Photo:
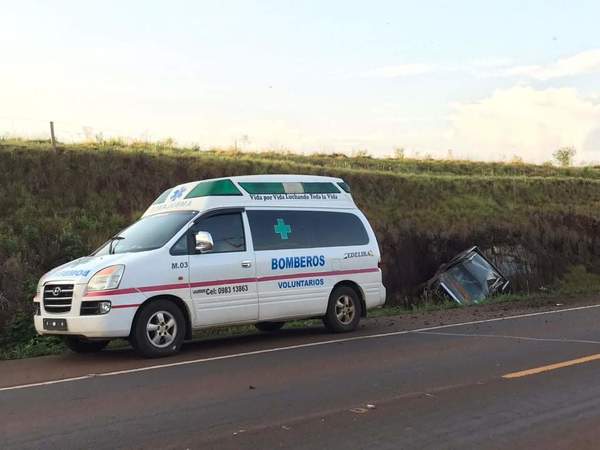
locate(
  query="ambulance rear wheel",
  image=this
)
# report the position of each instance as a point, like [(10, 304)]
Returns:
[(343, 310), (159, 329), (269, 327)]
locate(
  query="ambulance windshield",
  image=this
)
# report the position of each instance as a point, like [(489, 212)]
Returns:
[(148, 233)]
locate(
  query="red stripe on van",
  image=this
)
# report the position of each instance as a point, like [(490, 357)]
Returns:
[(317, 274), (216, 282), (166, 287)]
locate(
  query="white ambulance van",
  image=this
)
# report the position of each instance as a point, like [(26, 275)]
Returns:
[(257, 250)]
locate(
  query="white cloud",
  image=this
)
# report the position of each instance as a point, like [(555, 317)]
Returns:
[(579, 64), (491, 63), (401, 70), (528, 122), (582, 63)]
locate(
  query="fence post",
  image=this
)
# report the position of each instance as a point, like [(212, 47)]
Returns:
[(52, 137)]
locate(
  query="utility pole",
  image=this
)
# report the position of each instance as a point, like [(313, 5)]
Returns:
[(52, 137)]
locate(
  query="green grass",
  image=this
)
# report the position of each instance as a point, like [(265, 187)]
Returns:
[(541, 220), (578, 281), (19, 340)]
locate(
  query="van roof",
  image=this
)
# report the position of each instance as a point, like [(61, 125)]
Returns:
[(287, 191)]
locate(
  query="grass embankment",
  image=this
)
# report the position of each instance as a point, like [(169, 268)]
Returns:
[(433, 166), (535, 221)]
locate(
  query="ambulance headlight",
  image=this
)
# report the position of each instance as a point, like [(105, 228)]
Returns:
[(106, 279)]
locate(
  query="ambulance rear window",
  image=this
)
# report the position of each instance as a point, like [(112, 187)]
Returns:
[(290, 188), (345, 186), (214, 188)]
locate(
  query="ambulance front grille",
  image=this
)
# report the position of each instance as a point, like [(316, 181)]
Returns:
[(58, 298)]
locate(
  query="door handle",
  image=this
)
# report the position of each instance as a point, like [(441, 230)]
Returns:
[(246, 263)]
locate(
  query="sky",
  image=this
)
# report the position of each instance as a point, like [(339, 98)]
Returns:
[(462, 79)]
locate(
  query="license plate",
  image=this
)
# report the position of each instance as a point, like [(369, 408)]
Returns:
[(55, 324)]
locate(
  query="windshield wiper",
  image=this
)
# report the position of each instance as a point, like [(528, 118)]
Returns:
[(111, 241)]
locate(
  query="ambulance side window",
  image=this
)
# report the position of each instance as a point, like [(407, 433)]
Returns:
[(181, 246), (284, 229), (227, 231)]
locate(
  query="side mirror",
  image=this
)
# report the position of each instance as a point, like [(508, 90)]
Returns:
[(204, 242)]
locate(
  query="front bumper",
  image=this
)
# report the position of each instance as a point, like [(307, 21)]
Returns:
[(116, 323)]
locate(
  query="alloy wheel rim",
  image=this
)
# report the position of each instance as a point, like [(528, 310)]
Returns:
[(344, 309), (161, 329)]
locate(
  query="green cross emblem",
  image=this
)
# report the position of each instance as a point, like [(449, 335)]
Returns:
[(282, 229)]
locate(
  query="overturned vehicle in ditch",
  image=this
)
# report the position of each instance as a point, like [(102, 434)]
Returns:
[(468, 278)]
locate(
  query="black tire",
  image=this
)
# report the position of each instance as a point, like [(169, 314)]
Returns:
[(269, 327), (162, 339), (81, 345), (343, 311)]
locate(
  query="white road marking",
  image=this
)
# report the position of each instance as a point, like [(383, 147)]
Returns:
[(46, 383), (518, 338), (292, 347)]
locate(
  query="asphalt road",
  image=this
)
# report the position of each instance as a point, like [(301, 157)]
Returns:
[(450, 386)]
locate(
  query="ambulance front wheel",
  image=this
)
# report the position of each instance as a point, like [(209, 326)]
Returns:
[(159, 329)]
